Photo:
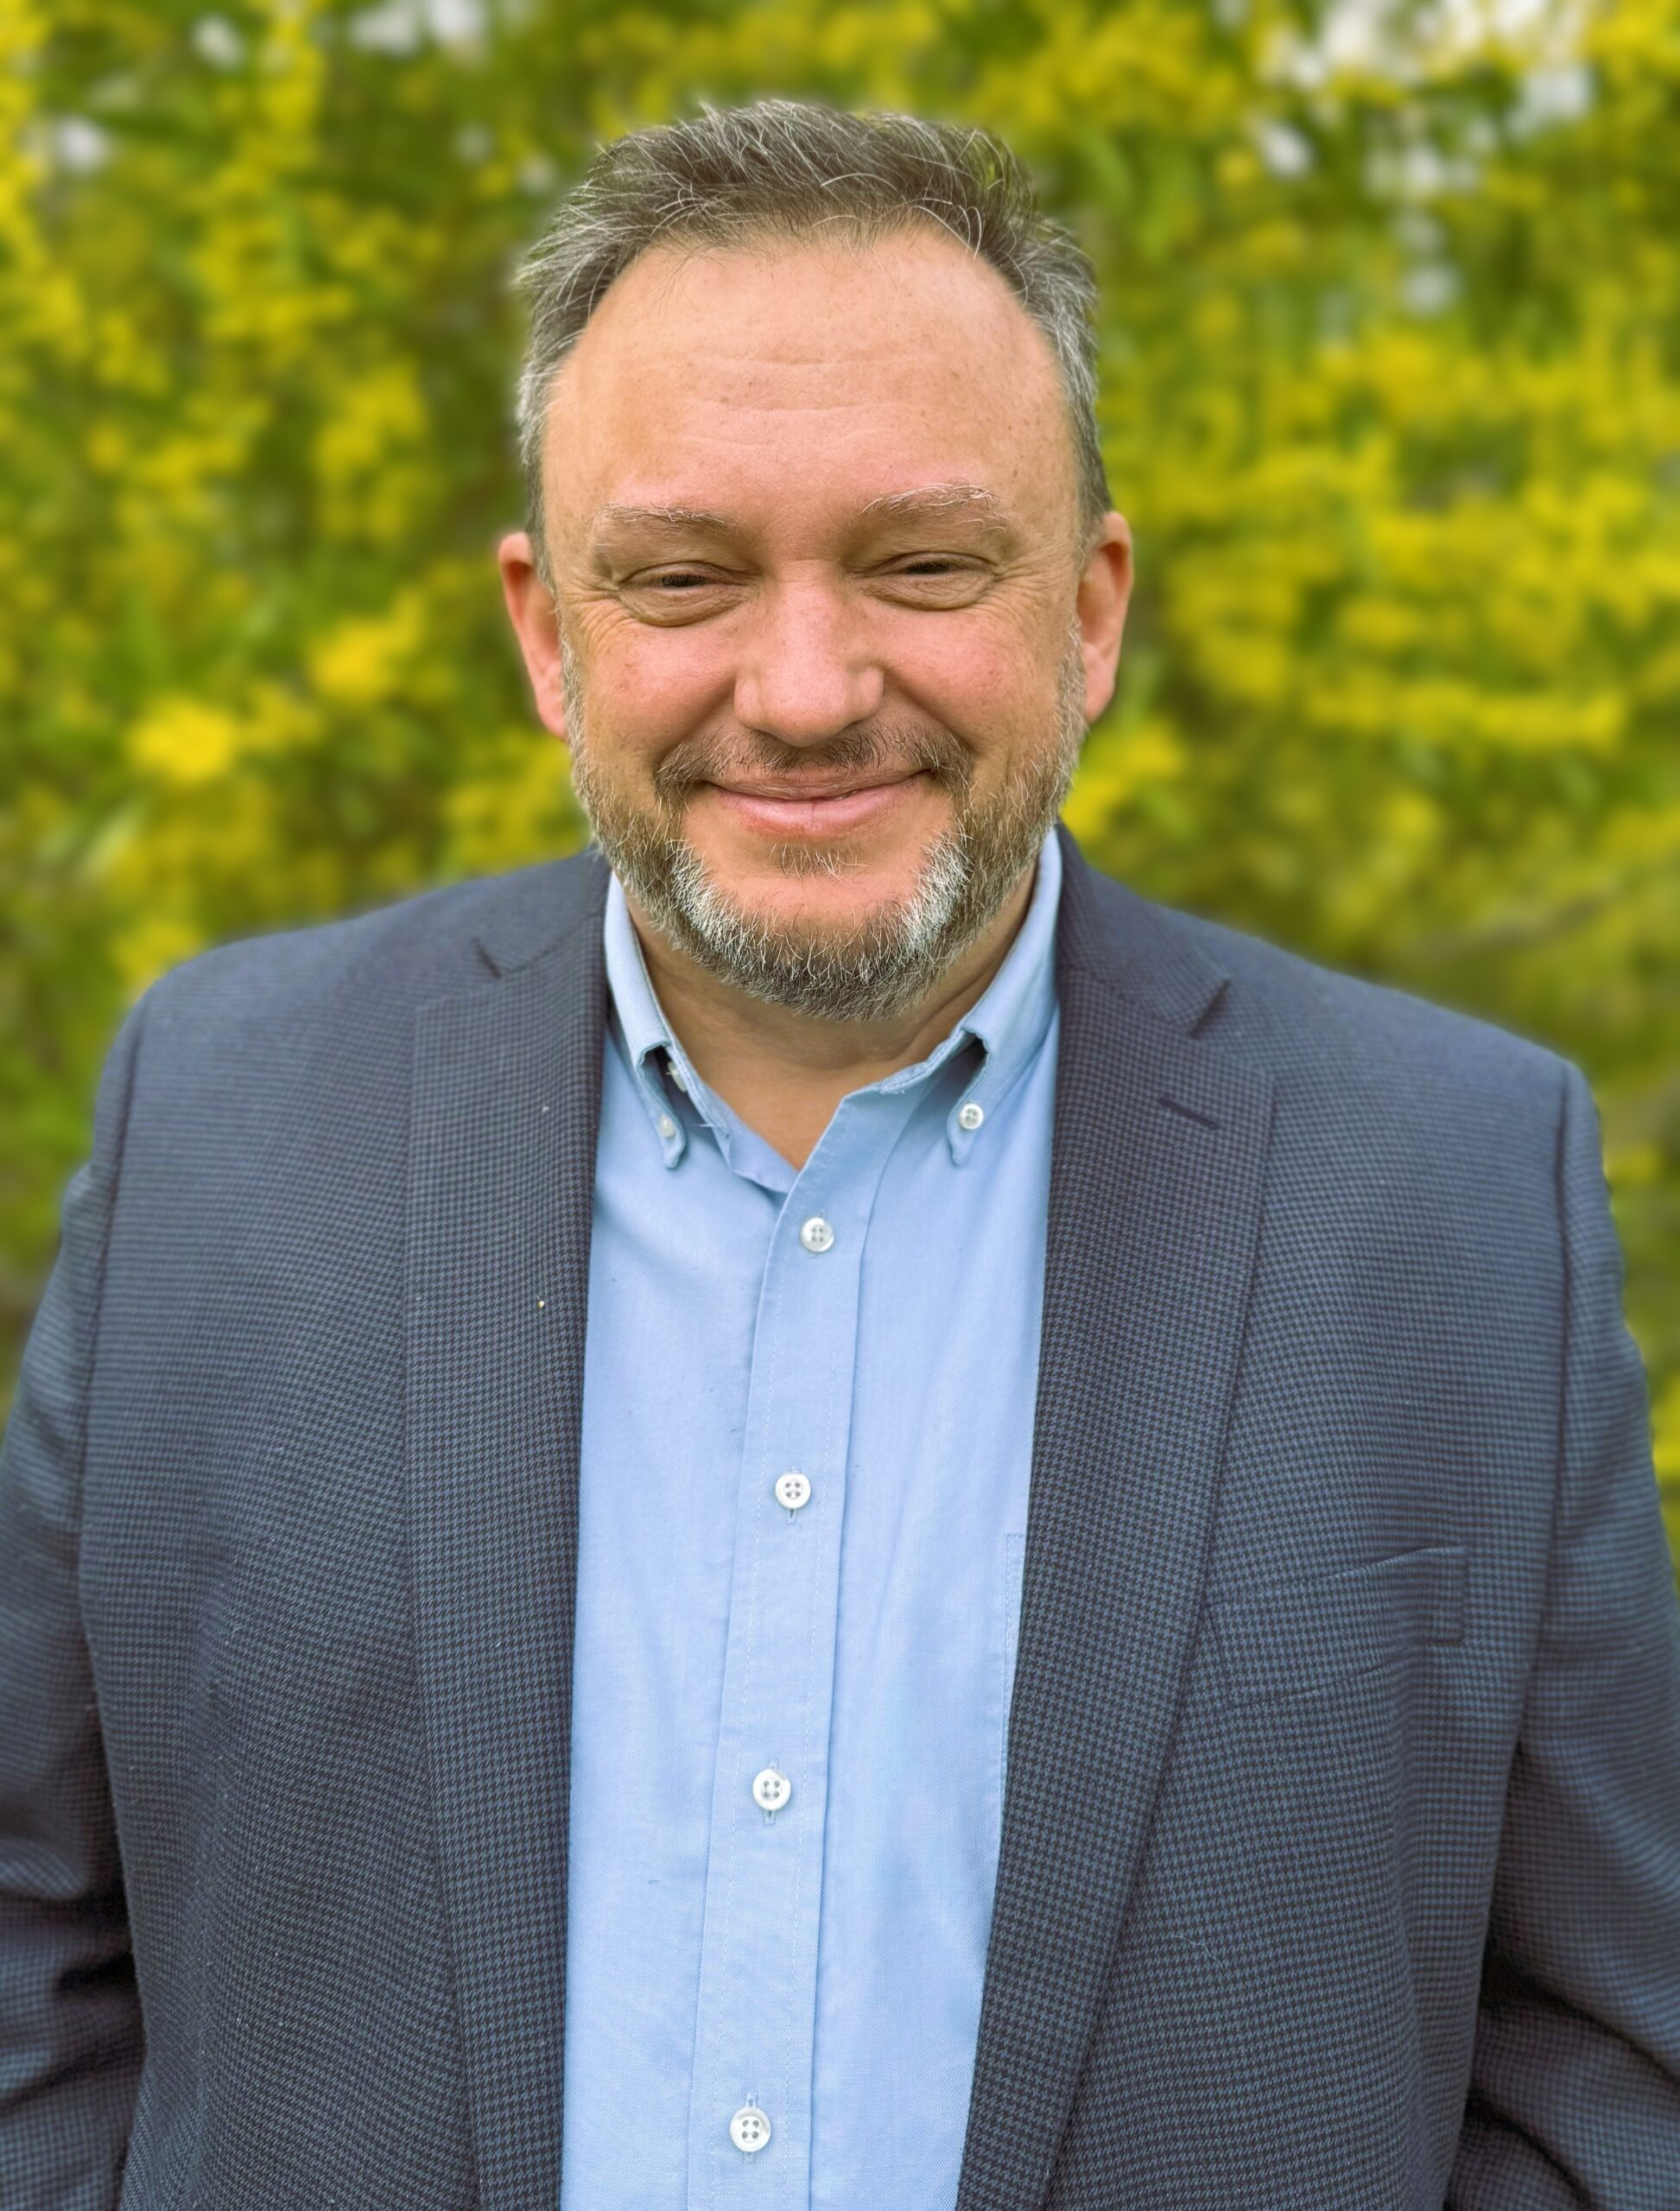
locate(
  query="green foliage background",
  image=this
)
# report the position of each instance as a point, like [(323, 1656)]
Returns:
[(1392, 375)]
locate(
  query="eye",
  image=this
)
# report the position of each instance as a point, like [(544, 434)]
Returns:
[(934, 578), (672, 580), (685, 591)]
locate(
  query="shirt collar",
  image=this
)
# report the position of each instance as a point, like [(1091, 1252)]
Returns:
[(1008, 1022), (641, 1026)]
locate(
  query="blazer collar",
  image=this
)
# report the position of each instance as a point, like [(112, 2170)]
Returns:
[(1131, 946), (535, 909), (506, 1094), (1158, 1174)]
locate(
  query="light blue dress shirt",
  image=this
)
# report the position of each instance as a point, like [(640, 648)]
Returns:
[(790, 1710)]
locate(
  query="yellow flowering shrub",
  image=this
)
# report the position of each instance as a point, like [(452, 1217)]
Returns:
[(1391, 351)]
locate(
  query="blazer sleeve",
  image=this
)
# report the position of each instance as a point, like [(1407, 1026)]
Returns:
[(70, 2027), (1575, 2089)]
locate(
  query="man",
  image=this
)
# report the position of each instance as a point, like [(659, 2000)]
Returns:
[(902, 1530)]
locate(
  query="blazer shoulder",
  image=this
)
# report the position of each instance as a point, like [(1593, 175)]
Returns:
[(1303, 1017), (391, 959)]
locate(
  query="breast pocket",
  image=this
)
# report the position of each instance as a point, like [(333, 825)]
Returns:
[(1303, 1639)]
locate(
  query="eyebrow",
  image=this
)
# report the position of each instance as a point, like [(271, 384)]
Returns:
[(666, 517), (924, 503), (935, 499)]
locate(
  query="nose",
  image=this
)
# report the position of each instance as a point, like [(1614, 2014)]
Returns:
[(805, 673)]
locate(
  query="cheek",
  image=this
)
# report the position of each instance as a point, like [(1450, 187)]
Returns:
[(990, 686), (646, 689)]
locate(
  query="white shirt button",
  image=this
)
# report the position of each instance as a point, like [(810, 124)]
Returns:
[(970, 1115), (771, 1789), (675, 1074), (750, 2128), (793, 1491), (666, 1126), (816, 1235)]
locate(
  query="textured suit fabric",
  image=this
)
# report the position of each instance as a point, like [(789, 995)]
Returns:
[(1341, 1851)]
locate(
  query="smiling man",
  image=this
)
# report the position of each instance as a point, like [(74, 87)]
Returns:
[(834, 619), (816, 1511)]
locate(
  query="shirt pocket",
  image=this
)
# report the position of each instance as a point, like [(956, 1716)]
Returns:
[(1303, 1638)]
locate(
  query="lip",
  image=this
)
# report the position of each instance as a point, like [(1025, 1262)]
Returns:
[(804, 811)]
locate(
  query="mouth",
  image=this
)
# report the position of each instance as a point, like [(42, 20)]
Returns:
[(815, 808)]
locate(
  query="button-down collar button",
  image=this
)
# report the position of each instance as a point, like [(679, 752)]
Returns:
[(970, 1115), (816, 1235), (666, 1126), (750, 2128), (793, 1491), (771, 1789)]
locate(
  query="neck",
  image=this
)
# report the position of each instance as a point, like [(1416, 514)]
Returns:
[(784, 1072)]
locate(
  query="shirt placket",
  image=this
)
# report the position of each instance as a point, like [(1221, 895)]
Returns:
[(750, 2111)]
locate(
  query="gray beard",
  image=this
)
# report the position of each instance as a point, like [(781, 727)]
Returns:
[(892, 960)]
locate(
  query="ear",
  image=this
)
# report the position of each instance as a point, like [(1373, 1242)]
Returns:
[(532, 610), (1105, 588)]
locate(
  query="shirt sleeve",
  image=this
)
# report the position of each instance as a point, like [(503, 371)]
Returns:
[(70, 2026), (1574, 2090)]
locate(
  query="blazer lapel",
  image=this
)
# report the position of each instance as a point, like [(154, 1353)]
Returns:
[(1157, 1173), (506, 1093)]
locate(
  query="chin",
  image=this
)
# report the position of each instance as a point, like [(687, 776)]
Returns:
[(801, 889)]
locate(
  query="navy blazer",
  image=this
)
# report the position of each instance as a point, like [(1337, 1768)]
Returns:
[(1341, 1854)]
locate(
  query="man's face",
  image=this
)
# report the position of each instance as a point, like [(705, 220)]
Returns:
[(828, 638)]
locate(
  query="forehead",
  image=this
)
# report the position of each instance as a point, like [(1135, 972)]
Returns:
[(796, 380)]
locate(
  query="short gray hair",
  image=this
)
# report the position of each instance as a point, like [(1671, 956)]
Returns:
[(791, 168)]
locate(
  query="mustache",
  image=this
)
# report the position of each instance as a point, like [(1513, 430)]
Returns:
[(897, 747)]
